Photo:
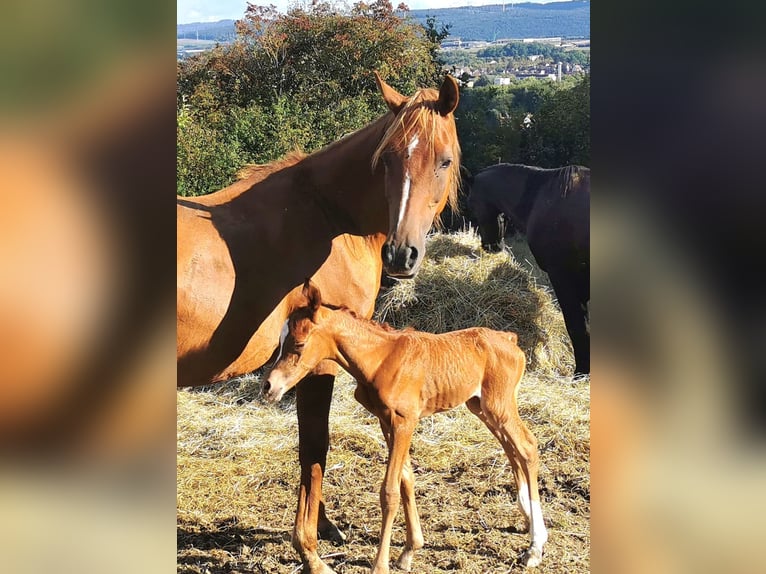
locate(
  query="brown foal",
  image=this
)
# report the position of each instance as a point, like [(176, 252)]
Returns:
[(403, 376)]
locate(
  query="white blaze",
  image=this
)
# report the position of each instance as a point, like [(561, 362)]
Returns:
[(406, 187), (282, 337), (405, 197)]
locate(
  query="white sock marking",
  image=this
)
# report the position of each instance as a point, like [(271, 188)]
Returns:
[(537, 526), (524, 501)]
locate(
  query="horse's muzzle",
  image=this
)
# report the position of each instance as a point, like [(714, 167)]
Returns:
[(272, 393), (493, 247), (400, 261)]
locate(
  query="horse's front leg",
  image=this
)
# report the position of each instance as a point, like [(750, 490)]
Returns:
[(313, 396), (415, 539), (390, 491), (566, 288)]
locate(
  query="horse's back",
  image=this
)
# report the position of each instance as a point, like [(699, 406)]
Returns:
[(558, 229)]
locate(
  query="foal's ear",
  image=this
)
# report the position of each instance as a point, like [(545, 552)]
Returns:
[(394, 100), (449, 94), (312, 295)]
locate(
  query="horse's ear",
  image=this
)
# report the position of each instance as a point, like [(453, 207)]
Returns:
[(312, 295), (449, 94), (394, 100)]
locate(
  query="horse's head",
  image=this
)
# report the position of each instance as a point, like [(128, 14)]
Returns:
[(487, 220), (303, 345), (421, 157)]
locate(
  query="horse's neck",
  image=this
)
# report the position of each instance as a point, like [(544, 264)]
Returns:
[(521, 204), (358, 343), (338, 180), (342, 176)]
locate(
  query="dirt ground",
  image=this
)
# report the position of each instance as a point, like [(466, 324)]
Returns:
[(238, 476)]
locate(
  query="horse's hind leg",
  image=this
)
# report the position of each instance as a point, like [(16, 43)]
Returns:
[(313, 396), (518, 442), (474, 405), (524, 443)]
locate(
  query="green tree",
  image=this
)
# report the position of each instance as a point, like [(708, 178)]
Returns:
[(295, 80), (560, 132)]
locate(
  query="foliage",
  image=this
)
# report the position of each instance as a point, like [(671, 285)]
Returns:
[(560, 133), (492, 129), (300, 79), (303, 80), (205, 159), (523, 50)]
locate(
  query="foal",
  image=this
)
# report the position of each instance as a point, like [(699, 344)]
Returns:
[(403, 376)]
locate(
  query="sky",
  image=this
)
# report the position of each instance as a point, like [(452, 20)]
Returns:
[(213, 10)]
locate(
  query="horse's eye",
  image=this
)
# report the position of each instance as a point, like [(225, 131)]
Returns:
[(446, 163)]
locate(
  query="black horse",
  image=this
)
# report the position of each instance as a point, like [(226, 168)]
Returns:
[(552, 207)]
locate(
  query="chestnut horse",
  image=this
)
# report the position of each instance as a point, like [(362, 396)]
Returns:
[(552, 207), (340, 216), (403, 376)]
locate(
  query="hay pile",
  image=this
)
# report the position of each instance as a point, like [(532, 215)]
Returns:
[(238, 463), (461, 286)]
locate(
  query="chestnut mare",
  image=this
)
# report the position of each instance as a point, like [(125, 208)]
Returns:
[(403, 376), (244, 252)]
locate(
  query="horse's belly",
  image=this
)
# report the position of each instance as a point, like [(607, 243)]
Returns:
[(205, 283)]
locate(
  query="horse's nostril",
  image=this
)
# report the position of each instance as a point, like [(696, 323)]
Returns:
[(412, 257), (266, 387)]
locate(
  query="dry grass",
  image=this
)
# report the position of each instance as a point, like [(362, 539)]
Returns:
[(238, 469), (461, 286)]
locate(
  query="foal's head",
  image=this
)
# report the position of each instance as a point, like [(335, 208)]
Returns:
[(421, 157), (303, 345)]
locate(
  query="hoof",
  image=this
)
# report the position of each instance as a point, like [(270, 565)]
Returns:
[(405, 561), (318, 568), (532, 557), (330, 532)]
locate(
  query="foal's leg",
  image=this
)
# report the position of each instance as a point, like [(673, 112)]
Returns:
[(401, 437), (313, 396), (411, 518), (512, 431), (474, 405)]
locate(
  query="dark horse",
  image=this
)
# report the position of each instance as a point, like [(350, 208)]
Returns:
[(340, 216), (552, 207)]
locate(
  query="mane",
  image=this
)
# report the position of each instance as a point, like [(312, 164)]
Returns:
[(419, 114), (263, 170), (570, 177)]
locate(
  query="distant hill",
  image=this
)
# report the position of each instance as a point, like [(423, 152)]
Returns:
[(221, 31), (488, 23), (513, 20)]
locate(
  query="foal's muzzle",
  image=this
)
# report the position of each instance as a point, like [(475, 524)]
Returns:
[(272, 392), (400, 261)]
